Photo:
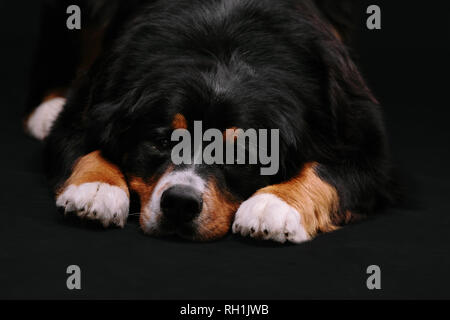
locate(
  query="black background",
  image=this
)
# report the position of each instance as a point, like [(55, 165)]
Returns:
[(406, 64)]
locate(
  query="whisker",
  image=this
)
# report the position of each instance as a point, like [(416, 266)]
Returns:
[(134, 214)]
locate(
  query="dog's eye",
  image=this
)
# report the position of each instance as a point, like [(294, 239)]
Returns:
[(163, 143)]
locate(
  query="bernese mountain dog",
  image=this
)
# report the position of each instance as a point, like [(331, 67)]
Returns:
[(111, 95)]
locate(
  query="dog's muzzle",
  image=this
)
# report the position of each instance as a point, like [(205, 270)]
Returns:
[(180, 204)]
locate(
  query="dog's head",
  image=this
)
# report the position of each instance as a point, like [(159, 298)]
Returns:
[(193, 156), (222, 66)]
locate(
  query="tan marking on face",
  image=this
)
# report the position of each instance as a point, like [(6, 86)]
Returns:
[(144, 189), (218, 212), (179, 122), (314, 199), (231, 134), (94, 168)]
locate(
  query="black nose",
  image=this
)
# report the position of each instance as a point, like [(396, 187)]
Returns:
[(181, 203)]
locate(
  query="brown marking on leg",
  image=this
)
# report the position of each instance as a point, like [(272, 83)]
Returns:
[(218, 211), (55, 93), (179, 122), (315, 200), (94, 168)]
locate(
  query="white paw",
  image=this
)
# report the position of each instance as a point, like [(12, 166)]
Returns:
[(267, 217), (96, 201), (41, 120)]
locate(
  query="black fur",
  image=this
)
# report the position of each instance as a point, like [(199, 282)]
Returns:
[(279, 66)]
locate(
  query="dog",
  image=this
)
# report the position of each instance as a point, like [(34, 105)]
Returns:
[(138, 71)]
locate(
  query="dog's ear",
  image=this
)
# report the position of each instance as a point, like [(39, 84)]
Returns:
[(109, 121), (341, 15), (357, 114), (345, 91), (345, 82)]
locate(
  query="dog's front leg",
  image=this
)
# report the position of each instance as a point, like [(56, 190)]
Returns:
[(294, 211), (96, 190)]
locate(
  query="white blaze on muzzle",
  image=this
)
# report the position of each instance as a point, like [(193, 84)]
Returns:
[(152, 210)]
